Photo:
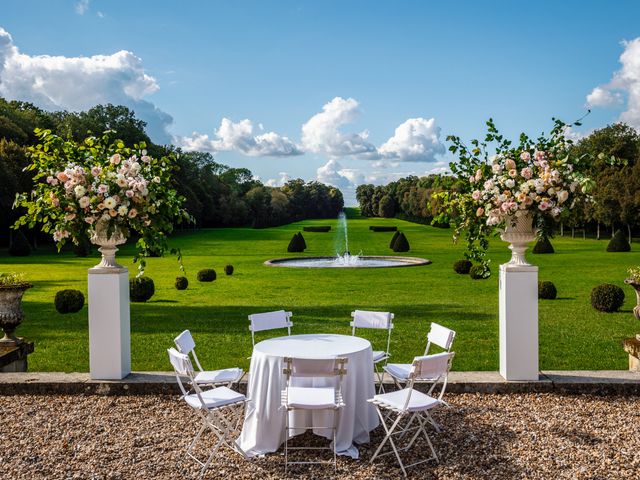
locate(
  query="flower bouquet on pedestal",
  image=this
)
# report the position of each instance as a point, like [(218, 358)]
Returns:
[(101, 190), (515, 189)]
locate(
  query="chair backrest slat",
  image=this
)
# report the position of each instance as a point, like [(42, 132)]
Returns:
[(185, 342), (370, 319), (269, 320), (440, 336), (430, 367)]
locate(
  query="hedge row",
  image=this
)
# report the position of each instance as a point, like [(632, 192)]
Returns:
[(317, 228)]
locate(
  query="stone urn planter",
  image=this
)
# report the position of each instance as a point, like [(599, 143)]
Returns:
[(108, 242), (11, 313), (519, 232), (636, 286)]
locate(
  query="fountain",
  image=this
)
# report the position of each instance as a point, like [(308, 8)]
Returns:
[(343, 258)]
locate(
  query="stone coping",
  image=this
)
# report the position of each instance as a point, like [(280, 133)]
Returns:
[(599, 382)]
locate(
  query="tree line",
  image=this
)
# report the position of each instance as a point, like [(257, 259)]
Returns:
[(216, 195), (614, 202)]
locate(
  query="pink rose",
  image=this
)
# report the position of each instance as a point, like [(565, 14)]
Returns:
[(103, 188), (129, 193), (62, 177), (479, 212), (513, 173), (132, 213), (526, 173), (526, 156), (69, 216), (95, 171), (543, 206), (476, 195), (510, 164), (115, 159)]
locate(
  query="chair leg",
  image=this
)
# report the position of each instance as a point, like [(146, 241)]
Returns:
[(379, 374), (389, 431), (433, 450), (286, 441)]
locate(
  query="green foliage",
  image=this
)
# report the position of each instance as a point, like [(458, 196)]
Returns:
[(20, 245), (634, 274), (401, 244), (607, 297), (383, 228), (547, 290), (462, 267), (181, 283), (12, 279), (543, 245), (619, 243), (387, 208), (317, 228), (228, 269), (69, 301), (479, 272), (207, 275), (296, 244), (393, 238), (141, 289)]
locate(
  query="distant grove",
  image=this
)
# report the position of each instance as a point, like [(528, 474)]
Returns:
[(614, 203), (216, 195)]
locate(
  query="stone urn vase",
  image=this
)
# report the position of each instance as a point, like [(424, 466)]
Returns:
[(108, 242), (11, 313), (519, 232), (636, 286)]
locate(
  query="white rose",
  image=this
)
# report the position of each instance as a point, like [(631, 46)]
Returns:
[(84, 202), (563, 195), (80, 191), (510, 183), (122, 211), (109, 203)]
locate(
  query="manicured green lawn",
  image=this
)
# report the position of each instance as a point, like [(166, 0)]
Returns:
[(572, 334)]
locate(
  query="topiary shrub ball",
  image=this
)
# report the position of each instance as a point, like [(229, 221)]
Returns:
[(476, 272), (69, 301), (607, 297), (547, 291), (141, 289), (401, 244), (619, 243), (207, 275), (19, 245), (393, 239), (543, 245), (228, 269), (462, 267), (296, 244), (181, 283)]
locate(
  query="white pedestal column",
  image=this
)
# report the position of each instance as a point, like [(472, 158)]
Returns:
[(109, 323), (519, 322)]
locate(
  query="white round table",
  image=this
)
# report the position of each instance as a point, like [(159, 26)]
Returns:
[(263, 430)]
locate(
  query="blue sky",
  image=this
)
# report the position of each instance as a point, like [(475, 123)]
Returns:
[(430, 68)]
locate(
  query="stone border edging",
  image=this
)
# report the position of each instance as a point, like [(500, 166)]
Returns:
[(599, 382)]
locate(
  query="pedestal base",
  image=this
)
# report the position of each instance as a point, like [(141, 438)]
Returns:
[(519, 322), (109, 324)]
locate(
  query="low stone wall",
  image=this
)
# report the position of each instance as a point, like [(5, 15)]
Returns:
[(614, 382)]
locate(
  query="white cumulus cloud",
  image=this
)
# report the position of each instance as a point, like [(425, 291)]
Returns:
[(624, 83), (278, 182), (240, 137), (415, 140), (321, 133), (79, 83), (333, 174)]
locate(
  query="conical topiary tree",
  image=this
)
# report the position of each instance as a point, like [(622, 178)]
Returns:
[(401, 244), (20, 245), (619, 243), (393, 239), (543, 245), (304, 244), (296, 244)]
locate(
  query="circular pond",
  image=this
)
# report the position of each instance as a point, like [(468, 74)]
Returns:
[(347, 261)]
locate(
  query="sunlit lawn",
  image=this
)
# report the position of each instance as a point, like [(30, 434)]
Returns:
[(572, 334)]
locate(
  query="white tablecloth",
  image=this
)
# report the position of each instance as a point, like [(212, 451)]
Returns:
[(264, 424)]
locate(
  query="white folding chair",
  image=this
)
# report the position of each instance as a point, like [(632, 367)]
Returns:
[(227, 376), (412, 403), (313, 398), (380, 321), (219, 408), (269, 321), (438, 335)]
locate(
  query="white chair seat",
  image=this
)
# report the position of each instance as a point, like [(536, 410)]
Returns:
[(311, 398), (219, 376), (418, 402), (214, 398), (379, 356)]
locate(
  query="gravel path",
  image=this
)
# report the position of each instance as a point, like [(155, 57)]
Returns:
[(487, 437)]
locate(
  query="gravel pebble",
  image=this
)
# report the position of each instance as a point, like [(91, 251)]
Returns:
[(529, 436)]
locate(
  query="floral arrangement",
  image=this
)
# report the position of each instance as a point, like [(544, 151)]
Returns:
[(80, 187), (634, 274), (540, 178)]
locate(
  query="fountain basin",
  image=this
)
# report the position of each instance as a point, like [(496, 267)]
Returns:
[(354, 262)]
